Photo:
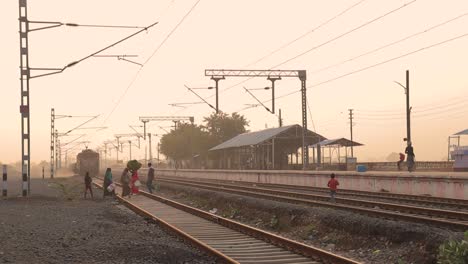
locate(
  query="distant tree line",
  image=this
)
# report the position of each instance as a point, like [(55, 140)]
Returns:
[(189, 140)]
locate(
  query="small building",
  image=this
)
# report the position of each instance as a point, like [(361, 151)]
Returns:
[(335, 153), (459, 153), (273, 148)]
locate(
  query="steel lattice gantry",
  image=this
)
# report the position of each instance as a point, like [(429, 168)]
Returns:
[(146, 119), (273, 75)]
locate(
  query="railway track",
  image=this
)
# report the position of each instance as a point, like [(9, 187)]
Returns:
[(452, 219), (227, 240), (394, 197)]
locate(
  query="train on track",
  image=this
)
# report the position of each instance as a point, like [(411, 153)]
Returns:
[(87, 161)]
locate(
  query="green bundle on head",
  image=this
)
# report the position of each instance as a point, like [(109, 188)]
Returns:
[(133, 165)]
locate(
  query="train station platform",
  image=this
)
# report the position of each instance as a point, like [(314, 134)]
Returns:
[(437, 184)]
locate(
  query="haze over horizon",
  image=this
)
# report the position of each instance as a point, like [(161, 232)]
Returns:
[(243, 35)]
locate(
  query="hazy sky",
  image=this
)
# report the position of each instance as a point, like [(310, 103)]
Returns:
[(235, 34)]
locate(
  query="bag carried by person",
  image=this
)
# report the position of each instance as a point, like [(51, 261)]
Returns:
[(137, 183), (111, 187)]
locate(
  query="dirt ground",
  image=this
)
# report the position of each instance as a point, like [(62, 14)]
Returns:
[(363, 238), (56, 225)]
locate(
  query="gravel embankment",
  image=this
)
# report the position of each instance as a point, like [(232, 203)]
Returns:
[(58, 226), (360, 237)]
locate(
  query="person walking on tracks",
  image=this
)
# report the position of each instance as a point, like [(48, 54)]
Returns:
[(88, 182), (402, 158), (135, 183), (333, 185), (410, 157), (108, 183), (125, 181), (150, 178)]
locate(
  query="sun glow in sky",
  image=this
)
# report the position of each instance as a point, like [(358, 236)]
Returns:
[(236, 34)]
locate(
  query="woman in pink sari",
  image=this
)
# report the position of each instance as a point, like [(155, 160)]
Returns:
[(135, 183)]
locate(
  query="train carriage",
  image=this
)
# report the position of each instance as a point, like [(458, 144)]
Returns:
[(87, 161)]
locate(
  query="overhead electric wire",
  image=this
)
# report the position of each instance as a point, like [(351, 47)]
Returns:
[(310, 115), (373, 66), (423, 108), (323, 44), (389, 60), (390, 44), (289, 43), (172, 31), (307, 33), (345, 33), (135, 77)]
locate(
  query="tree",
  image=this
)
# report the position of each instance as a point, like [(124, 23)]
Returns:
[(224, 127), (393, 157), (185, 142)]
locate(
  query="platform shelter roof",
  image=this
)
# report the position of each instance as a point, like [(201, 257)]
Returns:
[(463, 132), (259, 137), (342, 142)]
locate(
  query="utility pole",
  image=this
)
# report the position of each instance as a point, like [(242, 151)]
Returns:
[(57, 142), (158, 152), (408, 111), (52, 141), (273, 80), (351, 129), (217, 79), (24, 108), (118, 146), (149, 146), (280, 119), (25, 76), (130, 149)]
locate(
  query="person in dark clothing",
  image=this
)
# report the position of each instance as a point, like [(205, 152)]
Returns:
[(125, 181), (150, 178), (402, 158), (88, 181), (410, 157), (108, 191)]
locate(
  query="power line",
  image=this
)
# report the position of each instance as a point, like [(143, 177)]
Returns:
[(345, 33), (289, 43), (172, 31), (154, 52), (389, 60), (373, 65), (461, 101), (306, 33), (390, 44), (323, 44)]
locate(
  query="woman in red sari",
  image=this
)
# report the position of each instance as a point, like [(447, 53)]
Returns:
[(135, 183)]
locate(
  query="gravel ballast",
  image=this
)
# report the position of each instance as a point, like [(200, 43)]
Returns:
[(69, 229), (360, 237)]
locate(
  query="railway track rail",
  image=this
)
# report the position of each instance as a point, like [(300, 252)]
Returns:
[(227, 240), (451, 219), (394, 197)]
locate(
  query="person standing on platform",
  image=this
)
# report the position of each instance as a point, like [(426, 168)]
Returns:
[(150, 178), (402, 158), (88, 182), (333, 185), (108, 183), (410, 157), (125, 181)]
